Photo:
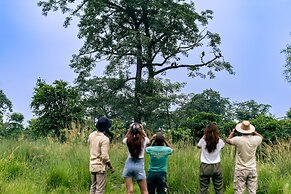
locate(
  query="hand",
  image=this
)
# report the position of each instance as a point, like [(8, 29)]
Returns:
[(143, 132), (153, 138), (234, 130)]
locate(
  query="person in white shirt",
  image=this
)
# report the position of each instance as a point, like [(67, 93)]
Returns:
[(210, 167), (245, 173), (136, 141)]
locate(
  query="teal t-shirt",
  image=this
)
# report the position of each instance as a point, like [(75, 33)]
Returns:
[(158, 158)]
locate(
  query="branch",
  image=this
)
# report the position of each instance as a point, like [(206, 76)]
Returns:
[(115, 6), (179, 48), (79, 7), (176, 66)]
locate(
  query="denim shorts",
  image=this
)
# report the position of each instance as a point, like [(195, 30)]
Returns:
[(134, 168)]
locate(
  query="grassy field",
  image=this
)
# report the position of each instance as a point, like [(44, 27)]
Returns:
[(47, 166)]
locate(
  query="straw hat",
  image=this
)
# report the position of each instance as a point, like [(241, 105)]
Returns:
[(245, 127)]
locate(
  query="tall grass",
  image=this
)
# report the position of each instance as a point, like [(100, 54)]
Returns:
[(47, 166)]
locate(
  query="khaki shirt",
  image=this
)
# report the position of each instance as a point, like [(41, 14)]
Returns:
[(246, 147), (99, 147)]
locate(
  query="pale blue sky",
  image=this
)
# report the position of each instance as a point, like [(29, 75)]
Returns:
[(253, 34)]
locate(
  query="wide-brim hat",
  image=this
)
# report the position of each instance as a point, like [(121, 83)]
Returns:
[(245, 127), (103, 124)]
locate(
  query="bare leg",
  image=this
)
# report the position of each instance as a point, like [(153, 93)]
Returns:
[(143, 186), (129, 185)]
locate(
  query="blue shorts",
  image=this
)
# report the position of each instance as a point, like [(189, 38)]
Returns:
[(134, 168)]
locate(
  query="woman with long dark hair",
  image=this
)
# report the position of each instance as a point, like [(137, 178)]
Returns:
[(210, 167), (136, 141)]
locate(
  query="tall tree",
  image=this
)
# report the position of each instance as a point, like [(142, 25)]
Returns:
[(287, 66), (56, 106), (141, 40), (113, 98), (5, 103)]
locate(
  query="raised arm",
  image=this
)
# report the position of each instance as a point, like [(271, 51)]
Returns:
[(142, 131), (168, 144), (152, 139), (231, 135), (127, 134)]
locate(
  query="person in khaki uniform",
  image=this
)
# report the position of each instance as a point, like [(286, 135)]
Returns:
[(99, 157), (245, 173)]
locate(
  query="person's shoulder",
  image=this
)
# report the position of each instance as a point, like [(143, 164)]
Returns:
[(235, 139), (146, 140), (169, 149), (221, 142), (201, 141), (124, 140), (105, 139), (93, 133), (149, 149), (258, 138)]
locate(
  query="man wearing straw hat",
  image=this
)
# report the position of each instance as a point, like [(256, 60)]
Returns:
[(245, 172)]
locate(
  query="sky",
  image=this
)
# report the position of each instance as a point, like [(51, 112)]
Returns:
[(253, 34)]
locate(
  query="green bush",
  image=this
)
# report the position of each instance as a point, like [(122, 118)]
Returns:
[(57, 177), (271, 128), (10, 169)]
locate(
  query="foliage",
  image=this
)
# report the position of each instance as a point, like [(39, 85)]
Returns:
[(142, 41), (209, 101), (106, 96), (14, 125), (5, 107), (114, 98), (181, 134), (287, 66), (57, 177), (250, 110), (57, 107), (5, 103), (289, 114), (198, 122), (272, 129)]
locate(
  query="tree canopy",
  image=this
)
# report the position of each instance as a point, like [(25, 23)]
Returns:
[(57, 107), (250, 110), (287, 66), (208, 101), (141, 41), (5, 103)]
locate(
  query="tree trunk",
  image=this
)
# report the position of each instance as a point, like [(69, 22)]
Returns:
[(137, 95)]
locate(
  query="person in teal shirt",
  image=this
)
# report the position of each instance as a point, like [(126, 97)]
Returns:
[(157, 173)]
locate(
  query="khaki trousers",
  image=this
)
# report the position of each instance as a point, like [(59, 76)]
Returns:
[(98, 181), (244, 178)]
